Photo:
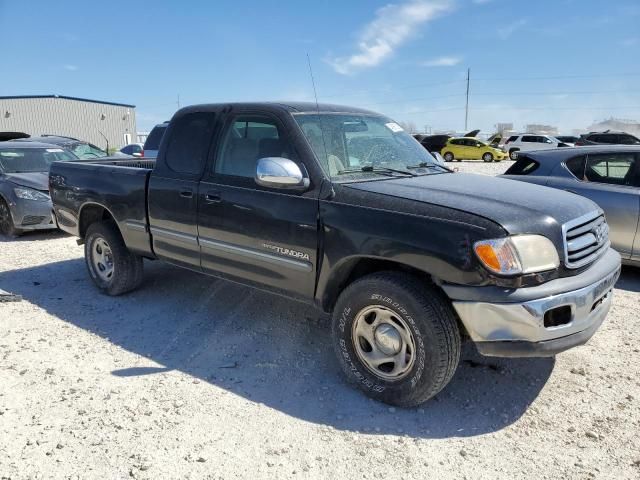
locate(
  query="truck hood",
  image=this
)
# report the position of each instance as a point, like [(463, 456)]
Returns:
[(35, 180), (517, 206)]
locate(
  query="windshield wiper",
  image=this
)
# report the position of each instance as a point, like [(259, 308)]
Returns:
[(381, 170), (429, 165)]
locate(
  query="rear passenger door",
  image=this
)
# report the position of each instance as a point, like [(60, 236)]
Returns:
[(173, 188), (251, 233), (611, 181)]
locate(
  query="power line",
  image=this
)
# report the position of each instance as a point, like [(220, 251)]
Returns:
[(387, 90), (415, 112)]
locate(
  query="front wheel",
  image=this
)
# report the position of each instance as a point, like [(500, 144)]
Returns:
[(513, 154), (396, 338), (448, 157), (6, 221), (112, 267), (487, 157)]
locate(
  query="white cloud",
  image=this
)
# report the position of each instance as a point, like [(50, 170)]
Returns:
[(442, 62), (71, 68), (506, 32), (630, 42), (393, 25)]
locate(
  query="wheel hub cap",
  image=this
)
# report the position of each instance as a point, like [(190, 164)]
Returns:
[(383, 342), (102, 259), (388, 339)]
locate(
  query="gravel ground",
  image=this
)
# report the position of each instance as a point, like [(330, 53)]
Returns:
[(192, 377)]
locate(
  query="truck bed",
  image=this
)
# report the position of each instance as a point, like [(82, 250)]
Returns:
[(80, 190)]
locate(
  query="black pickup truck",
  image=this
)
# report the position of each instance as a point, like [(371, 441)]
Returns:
[(341, 208)]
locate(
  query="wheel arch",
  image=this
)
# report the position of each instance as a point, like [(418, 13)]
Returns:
[(91, 213), (353, 268)]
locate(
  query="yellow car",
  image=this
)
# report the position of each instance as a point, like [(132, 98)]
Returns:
[(469, 148)]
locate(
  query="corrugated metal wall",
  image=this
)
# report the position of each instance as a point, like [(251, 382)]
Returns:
[(73, 118)]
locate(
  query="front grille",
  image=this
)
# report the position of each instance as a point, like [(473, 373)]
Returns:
[(32, 220), (585, 238)]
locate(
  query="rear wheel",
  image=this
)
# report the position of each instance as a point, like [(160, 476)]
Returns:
[(396, 338), (6, 221), (448, 157), (513, 154), (112, 267), (487, 157)]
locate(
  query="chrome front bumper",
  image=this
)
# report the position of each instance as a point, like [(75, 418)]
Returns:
[(518, 329)]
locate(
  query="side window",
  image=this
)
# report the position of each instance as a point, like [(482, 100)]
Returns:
[(456, 142), (189, 143), (576, 166), (544, 140), (625, 139), (614, 168), (529, 138), (523, 166), (248, 139)]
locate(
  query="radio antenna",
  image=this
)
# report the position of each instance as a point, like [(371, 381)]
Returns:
[(315, 94)]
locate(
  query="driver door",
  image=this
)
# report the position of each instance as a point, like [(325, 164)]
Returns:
[(249, 233)]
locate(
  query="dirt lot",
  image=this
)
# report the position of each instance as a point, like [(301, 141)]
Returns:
[(191, 377)]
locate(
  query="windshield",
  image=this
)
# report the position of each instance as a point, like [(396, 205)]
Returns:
[(86, 150), (26, 160), (357, 146)]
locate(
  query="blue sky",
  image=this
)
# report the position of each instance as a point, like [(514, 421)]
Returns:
[(563, 62)]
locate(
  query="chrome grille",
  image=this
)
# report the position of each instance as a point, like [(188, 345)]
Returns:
[(585, 238)]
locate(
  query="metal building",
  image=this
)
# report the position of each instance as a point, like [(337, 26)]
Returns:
[(93, 121)]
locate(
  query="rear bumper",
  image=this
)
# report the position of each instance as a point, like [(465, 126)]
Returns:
[(518, 329)]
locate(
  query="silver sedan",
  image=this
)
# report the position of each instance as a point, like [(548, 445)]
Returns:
[(24, 185), (608, 175)]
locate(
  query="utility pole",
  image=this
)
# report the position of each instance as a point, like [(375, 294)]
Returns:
[(466, 108)]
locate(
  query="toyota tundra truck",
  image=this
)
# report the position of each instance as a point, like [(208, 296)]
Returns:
[(341, 208)]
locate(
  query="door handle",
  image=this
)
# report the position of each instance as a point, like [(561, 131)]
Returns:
[(186, 193), (213, 197)]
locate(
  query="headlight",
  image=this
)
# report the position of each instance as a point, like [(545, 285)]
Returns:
[(29, 194), (518, 254)]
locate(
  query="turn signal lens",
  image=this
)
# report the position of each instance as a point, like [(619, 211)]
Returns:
[(499, 256)]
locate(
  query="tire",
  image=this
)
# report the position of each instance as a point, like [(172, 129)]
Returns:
[(487, 157), (513, 154), (395, 309), (112, 267), (448, 157), (7, 227)]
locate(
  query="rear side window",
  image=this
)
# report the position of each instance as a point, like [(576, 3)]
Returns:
[(154, 138), (615, 169), (189, 143), (576, 166), (626, 139), (524, 166)]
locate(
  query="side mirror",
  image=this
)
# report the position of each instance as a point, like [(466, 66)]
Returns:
[(278, 172)]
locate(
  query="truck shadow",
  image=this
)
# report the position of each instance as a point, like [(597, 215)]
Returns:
[(270, 350)]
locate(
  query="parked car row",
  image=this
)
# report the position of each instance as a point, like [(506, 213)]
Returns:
[(464, 148)]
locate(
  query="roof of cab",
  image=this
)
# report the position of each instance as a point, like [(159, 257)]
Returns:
[(25, 145), (298, 107), (563, 153)]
